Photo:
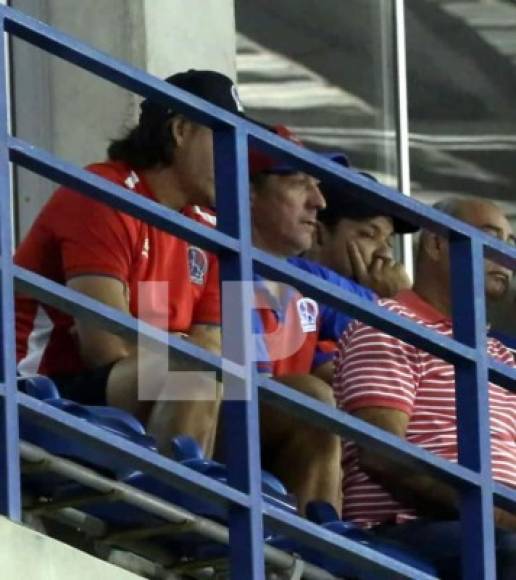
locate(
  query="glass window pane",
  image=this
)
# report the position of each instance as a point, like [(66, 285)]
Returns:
[(461, 61), (326, 70)]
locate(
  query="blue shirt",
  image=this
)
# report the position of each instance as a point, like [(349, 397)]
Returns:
[(332, 322)]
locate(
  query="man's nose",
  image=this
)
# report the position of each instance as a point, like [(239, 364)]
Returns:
[(384, 251), (317, 199)]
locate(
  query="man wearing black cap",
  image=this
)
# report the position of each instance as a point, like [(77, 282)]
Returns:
[(109, 256), (355, 240)]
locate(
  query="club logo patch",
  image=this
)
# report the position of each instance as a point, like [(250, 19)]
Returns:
[(308, 310), (197, 264)]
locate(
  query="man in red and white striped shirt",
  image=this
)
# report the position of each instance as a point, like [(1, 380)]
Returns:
[(411, 393)]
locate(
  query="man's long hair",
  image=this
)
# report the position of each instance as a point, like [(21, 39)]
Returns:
[(149, 144)]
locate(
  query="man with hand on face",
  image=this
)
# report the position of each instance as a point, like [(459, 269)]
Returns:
[(410, 393), (356, 241), (121, 261)]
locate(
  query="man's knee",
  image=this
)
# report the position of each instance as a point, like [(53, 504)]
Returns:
[(323, 392), (312, 386)]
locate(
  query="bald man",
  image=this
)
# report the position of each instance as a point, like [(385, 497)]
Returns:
[(410, 393)]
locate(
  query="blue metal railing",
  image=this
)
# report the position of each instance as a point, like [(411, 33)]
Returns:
[(238, 261)]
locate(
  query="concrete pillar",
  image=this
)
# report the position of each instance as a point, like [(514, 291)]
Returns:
[(73, 114)]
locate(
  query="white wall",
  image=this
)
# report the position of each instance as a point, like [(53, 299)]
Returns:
[(31, 555), (184, 34)]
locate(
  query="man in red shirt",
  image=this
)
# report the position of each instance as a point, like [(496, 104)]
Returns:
[(284, 206), (411, 393), (107, 255)]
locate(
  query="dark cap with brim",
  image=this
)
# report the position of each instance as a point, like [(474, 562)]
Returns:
[(340, 203), (209, 85)]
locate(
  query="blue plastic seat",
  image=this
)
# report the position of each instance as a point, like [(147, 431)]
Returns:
[(188, 453), (185, 450), (325, 515), (114, 420), (39, 387)]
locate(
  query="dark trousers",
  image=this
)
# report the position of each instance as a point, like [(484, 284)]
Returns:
[(439, 542)]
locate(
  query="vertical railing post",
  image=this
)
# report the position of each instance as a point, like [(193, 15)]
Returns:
[(472, 395), (10, 503), (240, 406)]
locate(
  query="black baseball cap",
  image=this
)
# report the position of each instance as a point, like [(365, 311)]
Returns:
[(210, 85), (341, 204)]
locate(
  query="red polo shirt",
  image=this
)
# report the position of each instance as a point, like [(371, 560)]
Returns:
[(75, 235), (286, 329), (374, 369)]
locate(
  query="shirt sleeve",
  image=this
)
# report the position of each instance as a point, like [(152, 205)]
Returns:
[(324, 352), (94, 238), (373, 369), (207, 310), (333, 323)]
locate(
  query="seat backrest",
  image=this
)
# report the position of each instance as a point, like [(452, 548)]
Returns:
[(185, 447), (39, 387)]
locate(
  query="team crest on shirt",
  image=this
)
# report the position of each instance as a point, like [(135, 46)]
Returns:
[(307, 309), (197, 264)]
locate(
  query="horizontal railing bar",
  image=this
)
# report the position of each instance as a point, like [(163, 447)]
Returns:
[(157, 506), (349, 427), (502, 374), (131, 78), (77, 304), (302, 405), (112, 70), (369, 559), (370, 312), (307, 532), (504, 497), (81, 306), (137, 457), (163, 468), (92, 185)]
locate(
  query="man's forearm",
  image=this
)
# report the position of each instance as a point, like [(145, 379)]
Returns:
[(505, 520), (422, 492), (428, 495)]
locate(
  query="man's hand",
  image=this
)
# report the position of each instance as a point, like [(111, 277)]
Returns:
[(384, 276), (98, 346), (505, 520)]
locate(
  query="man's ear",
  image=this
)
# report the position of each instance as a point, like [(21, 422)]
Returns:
[(434, 246), (252, 194), (178, 126)]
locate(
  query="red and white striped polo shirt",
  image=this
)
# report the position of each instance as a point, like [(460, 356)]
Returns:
[(374, 369)]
